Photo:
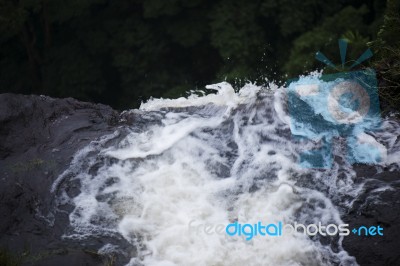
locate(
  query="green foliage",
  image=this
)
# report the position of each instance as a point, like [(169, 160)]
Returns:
[(8, 259), (347, 24), (123, 52), (387, 61), (297, 17), (236, 35)]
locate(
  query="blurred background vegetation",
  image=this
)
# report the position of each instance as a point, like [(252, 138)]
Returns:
[(123, 52)]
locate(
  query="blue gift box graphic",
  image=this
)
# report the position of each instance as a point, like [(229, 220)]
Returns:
[(326, 107)]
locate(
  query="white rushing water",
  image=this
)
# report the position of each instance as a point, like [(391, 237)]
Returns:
[(207, 161)]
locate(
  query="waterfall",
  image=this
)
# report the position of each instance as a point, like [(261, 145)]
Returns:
[(170, 180)]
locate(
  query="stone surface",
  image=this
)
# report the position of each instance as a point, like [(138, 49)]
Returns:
[(39, 136), (375, 206)]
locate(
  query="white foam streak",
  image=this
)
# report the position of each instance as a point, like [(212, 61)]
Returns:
[(225, 96), (160, 138)]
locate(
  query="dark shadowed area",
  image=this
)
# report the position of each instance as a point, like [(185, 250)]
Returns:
[(68, 69), (123, 52)]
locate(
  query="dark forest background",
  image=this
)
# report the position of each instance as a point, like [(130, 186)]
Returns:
[(122, 52)]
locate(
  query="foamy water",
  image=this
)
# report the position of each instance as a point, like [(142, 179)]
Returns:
[(213, 159)]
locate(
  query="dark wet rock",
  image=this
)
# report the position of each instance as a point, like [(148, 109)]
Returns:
[(39, 135), (378, 204)]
